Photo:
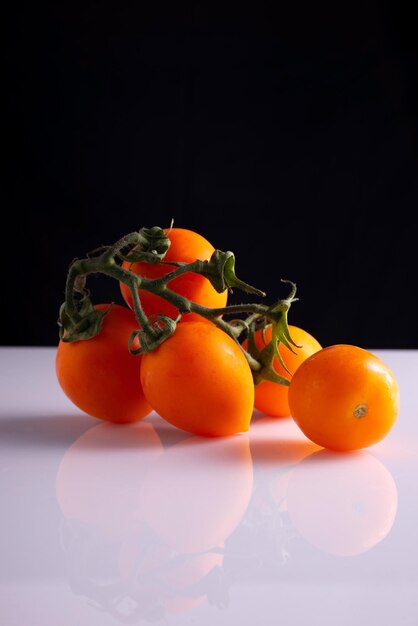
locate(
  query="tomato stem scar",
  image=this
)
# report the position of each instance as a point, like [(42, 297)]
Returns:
[(360, 410)]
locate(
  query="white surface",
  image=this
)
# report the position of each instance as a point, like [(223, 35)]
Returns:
[(107, 525)]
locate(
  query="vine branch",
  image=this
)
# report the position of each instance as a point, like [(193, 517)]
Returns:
[(79, 320)]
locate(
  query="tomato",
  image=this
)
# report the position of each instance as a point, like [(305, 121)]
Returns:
[(199, 380), (272, 398), (186, 246), (99, 375), (344, 398), (343, 504)]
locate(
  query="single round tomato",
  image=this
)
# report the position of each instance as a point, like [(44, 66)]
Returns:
[(272, 398), (199, 380), (186, 246), (99, 375), (344, 398)]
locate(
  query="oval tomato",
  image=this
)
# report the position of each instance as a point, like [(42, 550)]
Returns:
[(99, 375), (199, 380), (272, 398), (186, 246), (344, 398)]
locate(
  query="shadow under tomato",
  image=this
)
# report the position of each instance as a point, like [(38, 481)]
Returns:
[(168, 434), (278, 442), (43, 431), (342, 503)]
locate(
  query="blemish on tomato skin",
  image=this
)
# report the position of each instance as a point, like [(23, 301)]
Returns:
[(360, 410)]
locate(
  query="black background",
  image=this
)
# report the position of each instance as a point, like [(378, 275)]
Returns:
[(287, 134)]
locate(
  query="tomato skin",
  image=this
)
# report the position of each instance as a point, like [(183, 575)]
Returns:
[(186, 246), (99, 375), (271, 398), (344, 398), (200, 381)]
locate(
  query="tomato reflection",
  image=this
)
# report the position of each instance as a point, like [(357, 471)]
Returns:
[(144, 526), (196, 494), (100, 475), (342, 503), (151, 530), (277, 445)]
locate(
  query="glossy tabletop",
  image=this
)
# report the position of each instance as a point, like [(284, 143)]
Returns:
[(106, 525)]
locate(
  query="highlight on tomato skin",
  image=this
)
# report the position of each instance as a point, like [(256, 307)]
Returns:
[(186, 246), (99, 375), (343, 397), (271, 398)]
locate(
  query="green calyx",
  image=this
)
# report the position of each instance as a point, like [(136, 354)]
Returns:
[(220, 271), (164, 327), (270, 351), (87, 327), (79, 320), (152, 246)]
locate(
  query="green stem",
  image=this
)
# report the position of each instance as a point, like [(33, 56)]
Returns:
[(133, 281), (150, 243), (70, 305)]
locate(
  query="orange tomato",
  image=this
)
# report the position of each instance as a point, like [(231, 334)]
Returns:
[(199, 380), (186, 246), (272, 398), (99, 375), (344, 398)]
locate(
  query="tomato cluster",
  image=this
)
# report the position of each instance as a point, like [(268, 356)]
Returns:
[(199, 379)]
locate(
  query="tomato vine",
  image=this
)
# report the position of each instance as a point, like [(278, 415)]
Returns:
[(79, 320)]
